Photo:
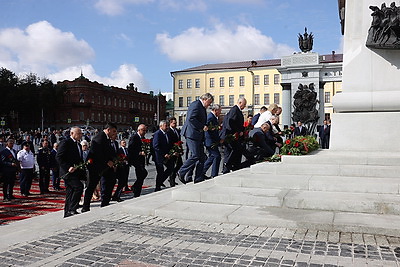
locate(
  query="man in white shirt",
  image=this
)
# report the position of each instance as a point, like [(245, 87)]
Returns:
[(27, 163)]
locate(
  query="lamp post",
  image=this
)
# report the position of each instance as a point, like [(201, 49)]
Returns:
[(253, 64)]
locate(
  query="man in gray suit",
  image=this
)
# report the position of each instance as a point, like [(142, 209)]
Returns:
[(193, 130)]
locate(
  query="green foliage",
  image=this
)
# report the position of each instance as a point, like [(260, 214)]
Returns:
[(299, 145), (26, 96)]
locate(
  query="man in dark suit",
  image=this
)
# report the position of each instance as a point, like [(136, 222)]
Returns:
[(233, 124), (44, 162), (193, 130), (260, 146), (69, 155), (324, 134), (122, 171), (137, 158), (162, 146), (9, 168), (174, 135), (103, 152), (300, 130), (212, 141)]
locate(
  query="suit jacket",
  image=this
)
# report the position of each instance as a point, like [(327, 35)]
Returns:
[(101, 151), (324, 132), (195, 122), (233, 122), (161, 146), (134, 148), (303, 131), (255, 118), (259, 138), (211, 136), (7, 159), (68, 156), (172, 136)]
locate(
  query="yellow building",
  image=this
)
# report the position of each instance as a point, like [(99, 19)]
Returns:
[(260, 82)]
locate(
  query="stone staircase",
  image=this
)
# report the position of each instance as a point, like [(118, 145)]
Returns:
[(328, 190)]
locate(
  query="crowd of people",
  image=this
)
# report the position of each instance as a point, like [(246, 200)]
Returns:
[(92, 164)]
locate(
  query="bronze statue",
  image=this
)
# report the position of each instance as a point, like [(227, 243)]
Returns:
[(305, 107), (306, 41), (385, 27)]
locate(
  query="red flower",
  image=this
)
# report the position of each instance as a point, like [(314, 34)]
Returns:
[(292, 128), (287, 142), (179, 143), (289, 153), (236, 136), (89, 161), (296, 144), (10, 156), (147, 141)]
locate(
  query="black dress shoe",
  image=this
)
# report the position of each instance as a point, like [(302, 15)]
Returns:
[(85, 210), (157, 189), (205, 177), (118, 199), (198, 181), (163, 185), (180, 178), (172, 183)]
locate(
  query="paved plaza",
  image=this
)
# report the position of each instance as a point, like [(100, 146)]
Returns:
[(128, 240)]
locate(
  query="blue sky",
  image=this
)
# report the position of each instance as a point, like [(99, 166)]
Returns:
[(117, 42)]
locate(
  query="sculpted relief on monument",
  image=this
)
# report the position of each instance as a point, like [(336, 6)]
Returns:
[(384, 32)]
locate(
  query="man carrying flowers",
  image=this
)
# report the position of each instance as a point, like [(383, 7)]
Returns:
[(69, 157)]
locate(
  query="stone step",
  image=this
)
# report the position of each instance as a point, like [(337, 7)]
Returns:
[(312, 182), (295, 199), (343, 201), (212, 193), (382, 224), (327, 169), (345, 158)]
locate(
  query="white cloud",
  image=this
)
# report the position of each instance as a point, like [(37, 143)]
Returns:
[(41, 48), (49, 52), (126, 74), (117, 7), (176, 5), (220, 44)]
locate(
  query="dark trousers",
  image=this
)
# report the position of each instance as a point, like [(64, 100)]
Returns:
[(214, 160), (141, 174), (56, 178), (44, 180), (8, 183), (74, 190), (177, 161), (232, 156), (195, 160), (325, 142), (162, 174), (122, 176), (25, 180), (107, 185), (94, 179)]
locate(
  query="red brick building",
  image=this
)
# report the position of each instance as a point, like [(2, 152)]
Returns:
[(94, 104)]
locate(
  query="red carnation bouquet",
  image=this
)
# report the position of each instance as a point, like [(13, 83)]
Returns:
[(146, 146), (81, 166), (177, 149)]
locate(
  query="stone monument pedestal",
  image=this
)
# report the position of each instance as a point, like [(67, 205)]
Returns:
[(369, 106)]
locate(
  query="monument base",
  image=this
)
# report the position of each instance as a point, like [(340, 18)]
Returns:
[(366, 131)]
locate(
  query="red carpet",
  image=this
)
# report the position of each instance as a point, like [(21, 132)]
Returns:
[(26, 207), (34, 205)]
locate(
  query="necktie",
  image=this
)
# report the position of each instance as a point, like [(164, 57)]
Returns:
[(79, 150), (113, 145), (166, 137), (125, 151)]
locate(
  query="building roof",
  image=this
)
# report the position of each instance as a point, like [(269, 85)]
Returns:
[(330, 58)]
